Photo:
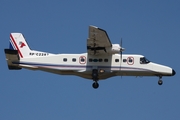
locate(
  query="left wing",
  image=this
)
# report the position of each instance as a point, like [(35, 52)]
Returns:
[(97, 41)]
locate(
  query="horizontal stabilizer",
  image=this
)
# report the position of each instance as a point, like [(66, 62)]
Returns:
[(12, 56)]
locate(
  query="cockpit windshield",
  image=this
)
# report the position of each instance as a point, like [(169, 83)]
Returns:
[(143, 60)]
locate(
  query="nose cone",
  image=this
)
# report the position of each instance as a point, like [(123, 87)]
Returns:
[(173, 72)]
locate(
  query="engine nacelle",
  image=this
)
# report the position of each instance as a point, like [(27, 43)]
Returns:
[(114, 49)]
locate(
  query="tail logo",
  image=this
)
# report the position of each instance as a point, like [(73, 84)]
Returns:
[(21, 44)]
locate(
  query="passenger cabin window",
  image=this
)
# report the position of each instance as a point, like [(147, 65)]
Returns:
[(130, 60), (90, 60), (116, 60), (82, 59), (105, 60), (74, 59), (65, 59), (143, 60), (95, 60), (100, 60), (124, 60)]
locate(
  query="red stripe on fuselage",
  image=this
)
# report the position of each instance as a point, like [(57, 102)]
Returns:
[(16, 46)]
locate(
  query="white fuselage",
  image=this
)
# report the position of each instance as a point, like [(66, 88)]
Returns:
[(83, 64)]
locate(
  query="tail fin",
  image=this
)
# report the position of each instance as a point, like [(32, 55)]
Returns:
[(18, 42)]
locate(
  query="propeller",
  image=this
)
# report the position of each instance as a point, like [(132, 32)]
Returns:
[(121, 50)]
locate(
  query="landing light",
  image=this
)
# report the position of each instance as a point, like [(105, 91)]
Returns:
[(101, 71)]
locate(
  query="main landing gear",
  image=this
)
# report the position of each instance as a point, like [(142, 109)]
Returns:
[(160, 82), (95, 85)]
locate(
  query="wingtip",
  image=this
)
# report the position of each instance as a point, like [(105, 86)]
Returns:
[(93, 26)]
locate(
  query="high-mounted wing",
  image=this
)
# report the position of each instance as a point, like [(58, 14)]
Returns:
[(97, 41)]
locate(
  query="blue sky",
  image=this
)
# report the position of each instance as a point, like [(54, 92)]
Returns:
[(150, 28)]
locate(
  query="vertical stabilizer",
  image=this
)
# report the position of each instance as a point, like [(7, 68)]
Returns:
[(18, 42)]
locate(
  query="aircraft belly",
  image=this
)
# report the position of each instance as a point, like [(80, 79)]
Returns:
[(85, 74), (136, 73)]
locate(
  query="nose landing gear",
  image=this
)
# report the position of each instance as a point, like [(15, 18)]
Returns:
[(95, 85), (160, 82)]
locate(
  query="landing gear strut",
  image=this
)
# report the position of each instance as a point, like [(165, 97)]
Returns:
[(160, 82), (95, 85)]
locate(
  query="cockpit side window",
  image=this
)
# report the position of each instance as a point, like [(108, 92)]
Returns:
[(143, 60)]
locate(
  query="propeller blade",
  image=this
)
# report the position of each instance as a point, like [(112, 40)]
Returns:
[(120, 53), (121, 43)]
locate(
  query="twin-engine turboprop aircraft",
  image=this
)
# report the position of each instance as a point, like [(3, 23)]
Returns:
[(102, 60)]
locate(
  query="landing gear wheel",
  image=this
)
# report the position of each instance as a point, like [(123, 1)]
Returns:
[(95, 85), (160, 82)]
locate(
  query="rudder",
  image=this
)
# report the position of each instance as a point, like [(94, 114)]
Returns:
[(18, 42)]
